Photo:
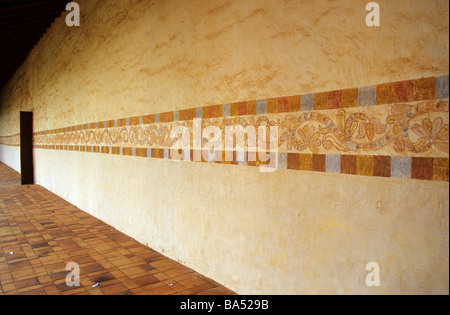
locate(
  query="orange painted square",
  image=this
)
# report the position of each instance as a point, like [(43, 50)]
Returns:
[(283, 104), (192, 112), (208, 112), (227, 157), (425, 89), (218, 111), (242, 108), (142, 152), (382, 166), (272, 105), (235, 158), (204, 155), (134, 121), (105, 150), (440, 169), (422, 168), (404, 91), (213, 111), (116, 150), (218, 156), (251, 158), (321, 100), (110, 124), (166, 117), (364, 165), (294, 103), (384, 94), (305, 162), (148, 119), (267, 158), (96, 149), (251, 108), (234, 109), (183, 114), (258, 161), (350, 97), (127, 151), (293, 161), (319, 162), (196, 155), (335, 99), (121, 122), (100, 125), (348, 164)]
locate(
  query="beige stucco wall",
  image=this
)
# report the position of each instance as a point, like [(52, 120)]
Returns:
[(10, 155), (133, 58), (282, 232), (274, 233)]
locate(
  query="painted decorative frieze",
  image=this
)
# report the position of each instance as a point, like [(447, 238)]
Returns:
[(398, 129)]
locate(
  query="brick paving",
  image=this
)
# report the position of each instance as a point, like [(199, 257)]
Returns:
[(40, 233)]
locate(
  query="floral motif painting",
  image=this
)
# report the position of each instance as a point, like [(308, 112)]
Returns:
[(417, 129)]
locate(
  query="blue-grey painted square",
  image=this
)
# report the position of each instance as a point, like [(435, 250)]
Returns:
[(198, 112), (442, 87), (367, 96), (149, 152), (176, 116), (226, 110), (210, 156), (282, 161), (166, 154), (333, 163), (127, 122), (241, 157), (307, 102), (141, 120), (115, 123), (157, 118), (401, 167), (261, 107), (133, 151), (186, 154)]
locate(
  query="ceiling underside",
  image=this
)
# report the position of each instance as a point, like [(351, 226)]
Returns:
[(22, 23)]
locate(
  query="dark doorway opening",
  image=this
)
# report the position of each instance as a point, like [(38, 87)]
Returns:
[(26, 148)]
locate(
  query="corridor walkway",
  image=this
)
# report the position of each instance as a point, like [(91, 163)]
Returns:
[(40, 233)]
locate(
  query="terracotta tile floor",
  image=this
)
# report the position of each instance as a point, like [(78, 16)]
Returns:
[(40, 233)]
